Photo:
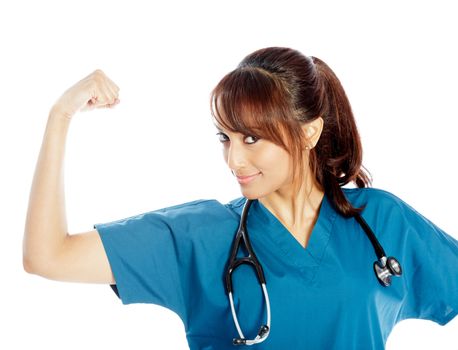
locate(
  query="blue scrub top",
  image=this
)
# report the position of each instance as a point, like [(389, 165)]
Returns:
[(323, 297)]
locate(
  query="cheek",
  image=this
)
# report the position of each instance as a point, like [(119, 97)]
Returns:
[(225, 152), (274, 159)]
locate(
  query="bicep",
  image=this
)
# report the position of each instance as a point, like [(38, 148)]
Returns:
[(82, 259)]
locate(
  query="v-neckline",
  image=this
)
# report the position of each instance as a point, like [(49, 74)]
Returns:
[(284, 239)]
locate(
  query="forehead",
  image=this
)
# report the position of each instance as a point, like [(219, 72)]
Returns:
[(254, 131), (241, 121)]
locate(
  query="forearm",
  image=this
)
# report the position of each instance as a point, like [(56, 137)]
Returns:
[(46, 222)]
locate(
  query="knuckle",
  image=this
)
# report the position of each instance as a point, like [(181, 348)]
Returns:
[(112, 85), (98, 76)]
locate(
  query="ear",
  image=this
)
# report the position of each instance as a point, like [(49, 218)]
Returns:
[(313, 131)]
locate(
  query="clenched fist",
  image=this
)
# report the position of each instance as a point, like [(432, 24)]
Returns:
[(94, 91)]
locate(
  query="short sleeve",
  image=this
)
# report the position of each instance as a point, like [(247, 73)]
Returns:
[(147, 254), (431, 258)]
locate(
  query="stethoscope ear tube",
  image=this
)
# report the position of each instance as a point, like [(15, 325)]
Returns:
[(384, 269), (234, 262), (264, 330)]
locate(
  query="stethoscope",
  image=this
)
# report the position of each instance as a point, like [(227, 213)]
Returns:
[(384, 268)]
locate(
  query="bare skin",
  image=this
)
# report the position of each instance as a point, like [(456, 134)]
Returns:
[(48, 249), (273, 184)]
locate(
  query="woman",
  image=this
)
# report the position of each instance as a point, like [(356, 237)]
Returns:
[(290, 138)]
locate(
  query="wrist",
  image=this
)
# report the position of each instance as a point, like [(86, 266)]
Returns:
[(58, 122), (57, 113)]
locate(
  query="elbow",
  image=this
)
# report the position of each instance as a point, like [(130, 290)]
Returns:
[(46, 267), (40, 268), (38, 260), (27, 265)]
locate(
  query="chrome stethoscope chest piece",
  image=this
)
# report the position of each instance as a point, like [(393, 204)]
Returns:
[(384, 268)]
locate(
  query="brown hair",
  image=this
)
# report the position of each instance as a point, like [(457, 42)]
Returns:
[(272, 93)]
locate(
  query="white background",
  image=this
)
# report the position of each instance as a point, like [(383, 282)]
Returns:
[(396, 59)]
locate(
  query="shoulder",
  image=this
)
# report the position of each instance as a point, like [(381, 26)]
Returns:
[(202, 219), (200, 211), (211, 207), (386, 209), (195, 207), (203, 211), (382, 206), (374, 198)]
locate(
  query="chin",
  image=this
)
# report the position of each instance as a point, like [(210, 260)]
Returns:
[(252, 194), (248, 194)]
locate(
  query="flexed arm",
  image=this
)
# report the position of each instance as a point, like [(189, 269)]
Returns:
[(48, 249)]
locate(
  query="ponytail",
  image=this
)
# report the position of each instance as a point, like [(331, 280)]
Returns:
[(282, 89), (337, 159)]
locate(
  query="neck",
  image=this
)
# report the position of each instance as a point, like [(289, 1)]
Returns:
[(297, 210)]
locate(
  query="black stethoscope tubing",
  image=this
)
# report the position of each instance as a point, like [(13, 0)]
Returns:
[(384, 268)]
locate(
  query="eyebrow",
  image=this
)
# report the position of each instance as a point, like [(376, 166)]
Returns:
[(253, 132), (218, 127)]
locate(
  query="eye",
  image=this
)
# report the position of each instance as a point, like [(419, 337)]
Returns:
[(222, 137), (253, 138)]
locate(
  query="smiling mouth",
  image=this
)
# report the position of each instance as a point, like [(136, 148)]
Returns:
[(246, 179)]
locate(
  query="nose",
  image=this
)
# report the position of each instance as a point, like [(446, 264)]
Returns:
[(235, 156)]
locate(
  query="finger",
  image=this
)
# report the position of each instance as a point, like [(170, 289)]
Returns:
[(110, 85), (110, 89), (107, 102), (112, 93), (113, 86), (114, 103), (104, 96), (90, 105), (105, 92)]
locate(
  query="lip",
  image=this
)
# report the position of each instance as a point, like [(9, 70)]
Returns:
[(246, 179)]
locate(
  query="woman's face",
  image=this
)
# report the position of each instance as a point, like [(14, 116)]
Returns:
[(260, 166)]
